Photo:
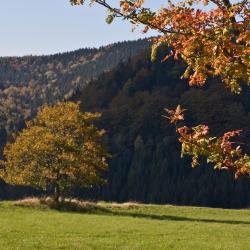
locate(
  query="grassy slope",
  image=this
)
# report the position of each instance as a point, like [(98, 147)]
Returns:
[(143, 227)]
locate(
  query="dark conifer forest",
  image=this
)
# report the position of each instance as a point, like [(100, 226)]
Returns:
[(145, 165)]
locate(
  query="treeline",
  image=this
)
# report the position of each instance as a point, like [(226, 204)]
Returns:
[(28, 82), (146, 164)]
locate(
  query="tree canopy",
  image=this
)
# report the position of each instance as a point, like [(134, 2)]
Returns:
[(59, 149), (213, 41), (213, 38)]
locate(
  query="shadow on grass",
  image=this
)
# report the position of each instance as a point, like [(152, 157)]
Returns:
[(76, 206), (93, 208), (176, 218)]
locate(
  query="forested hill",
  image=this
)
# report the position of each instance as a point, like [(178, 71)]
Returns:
[(146, 164), (28, 82)]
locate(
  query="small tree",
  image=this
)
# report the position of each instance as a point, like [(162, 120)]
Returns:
[(59, 149)]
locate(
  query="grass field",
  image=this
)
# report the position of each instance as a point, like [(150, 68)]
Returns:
[(123, 227)]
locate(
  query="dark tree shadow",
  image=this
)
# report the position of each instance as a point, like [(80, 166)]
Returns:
[(76, 206), (176, 218), (93, 208)]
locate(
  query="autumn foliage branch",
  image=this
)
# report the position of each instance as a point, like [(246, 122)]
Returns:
[(212, 41), (222, 152)]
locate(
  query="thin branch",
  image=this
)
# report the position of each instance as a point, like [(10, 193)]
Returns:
[(134, 18)]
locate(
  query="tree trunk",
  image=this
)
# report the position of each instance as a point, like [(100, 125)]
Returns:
[(56, 193)]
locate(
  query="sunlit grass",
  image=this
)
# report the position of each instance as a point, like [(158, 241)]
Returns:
[(32, 225)]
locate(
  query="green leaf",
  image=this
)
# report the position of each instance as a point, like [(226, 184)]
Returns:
[(109, 19)]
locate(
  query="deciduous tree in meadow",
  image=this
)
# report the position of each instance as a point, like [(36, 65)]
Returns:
[(59, 149), (213, 38)]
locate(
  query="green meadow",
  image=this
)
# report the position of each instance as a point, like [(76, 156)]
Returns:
[(126, 226)]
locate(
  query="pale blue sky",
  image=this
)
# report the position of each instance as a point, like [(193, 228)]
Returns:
[(49, 26)]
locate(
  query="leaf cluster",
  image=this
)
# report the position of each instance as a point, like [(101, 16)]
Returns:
[(213, 42), (220, 151)]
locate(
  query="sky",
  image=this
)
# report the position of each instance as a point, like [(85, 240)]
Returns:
[(38, 27)]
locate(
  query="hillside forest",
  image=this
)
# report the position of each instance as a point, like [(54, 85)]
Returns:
[(26, 83), (145, 165)]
